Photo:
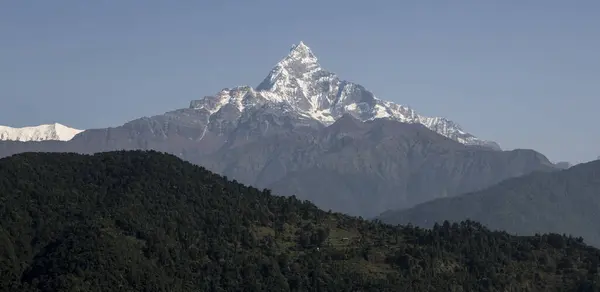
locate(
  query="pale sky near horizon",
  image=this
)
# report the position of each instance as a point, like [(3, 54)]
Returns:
[(523, 73)]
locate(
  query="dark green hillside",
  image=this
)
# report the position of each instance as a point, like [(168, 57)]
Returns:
[(145, 221)]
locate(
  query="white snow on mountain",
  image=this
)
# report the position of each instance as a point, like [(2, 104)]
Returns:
[(300, 83), (54, 131)]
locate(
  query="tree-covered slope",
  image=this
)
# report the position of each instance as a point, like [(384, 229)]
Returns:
[(145, 221), (566, 201)]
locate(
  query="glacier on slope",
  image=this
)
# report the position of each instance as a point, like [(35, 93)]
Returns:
[(298, 83)]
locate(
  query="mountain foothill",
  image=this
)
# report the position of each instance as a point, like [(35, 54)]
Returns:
[(149, 221), (267, 187)]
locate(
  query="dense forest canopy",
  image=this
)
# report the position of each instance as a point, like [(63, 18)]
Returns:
[(146, 221)]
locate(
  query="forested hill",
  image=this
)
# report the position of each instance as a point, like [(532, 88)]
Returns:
[(145, 221)]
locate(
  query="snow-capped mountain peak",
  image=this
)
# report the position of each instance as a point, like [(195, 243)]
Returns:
[(45, 132), (298, 82), (299, 62), (294, 80), (301, 53)]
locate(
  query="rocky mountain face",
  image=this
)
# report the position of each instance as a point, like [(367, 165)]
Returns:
[(299, 85), (564, 202), (360, 168), (305, 132)]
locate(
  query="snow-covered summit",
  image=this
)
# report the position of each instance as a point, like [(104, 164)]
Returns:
[(300, 83), (299, 80), (46, 132)]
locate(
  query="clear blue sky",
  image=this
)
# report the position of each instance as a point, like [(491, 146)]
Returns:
[(523, 73)]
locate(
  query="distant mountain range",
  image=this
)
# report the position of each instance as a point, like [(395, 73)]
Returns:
[(298, 85), (303, 131), (47, 132), (566, 201), (563, 164)]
